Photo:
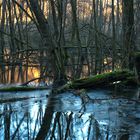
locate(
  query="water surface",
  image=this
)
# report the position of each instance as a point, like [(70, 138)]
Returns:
[(104, 116)]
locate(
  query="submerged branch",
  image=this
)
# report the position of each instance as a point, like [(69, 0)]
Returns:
[(20, 88), (14, 99)]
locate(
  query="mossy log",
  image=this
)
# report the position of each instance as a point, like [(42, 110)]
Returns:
[(102, 80)]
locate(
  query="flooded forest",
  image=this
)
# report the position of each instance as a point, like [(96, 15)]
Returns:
[(69, 70)]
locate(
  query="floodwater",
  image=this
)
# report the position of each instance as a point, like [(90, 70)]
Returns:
[(103, 116)]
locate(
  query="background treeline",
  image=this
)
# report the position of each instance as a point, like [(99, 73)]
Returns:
[(66, 38)]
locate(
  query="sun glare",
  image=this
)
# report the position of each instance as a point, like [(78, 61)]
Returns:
[(33, 72), (36, 73)]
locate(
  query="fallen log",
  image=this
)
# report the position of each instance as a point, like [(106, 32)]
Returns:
[(124, 77), (105, 79)]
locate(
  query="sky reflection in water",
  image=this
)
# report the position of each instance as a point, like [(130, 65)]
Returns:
[(107, 119)]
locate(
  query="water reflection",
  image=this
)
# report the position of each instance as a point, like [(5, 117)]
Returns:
[(64, 118)]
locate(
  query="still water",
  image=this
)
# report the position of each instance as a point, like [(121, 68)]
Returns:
[(66, 117)]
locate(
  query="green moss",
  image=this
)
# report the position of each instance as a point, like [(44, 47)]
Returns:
[(137, 54), (105, 78), (101, 80)]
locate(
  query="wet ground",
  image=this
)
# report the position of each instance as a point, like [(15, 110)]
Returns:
[(103, 116)]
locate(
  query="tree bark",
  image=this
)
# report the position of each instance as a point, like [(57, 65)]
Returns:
[(128, 33), (113, 36), (76, 36), (53, 48), (2, 42)]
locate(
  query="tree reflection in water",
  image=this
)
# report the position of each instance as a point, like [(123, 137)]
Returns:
[(40, 121)]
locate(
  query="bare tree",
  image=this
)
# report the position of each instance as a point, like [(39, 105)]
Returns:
[(128, 33), (54, 49), (113, 37), (2, 43)]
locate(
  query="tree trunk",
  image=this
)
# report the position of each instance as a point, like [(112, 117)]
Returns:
[(2, 42), (53, 47), (113, 36), (76, 37), (12, 42), (96, 38), (128, 33)]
